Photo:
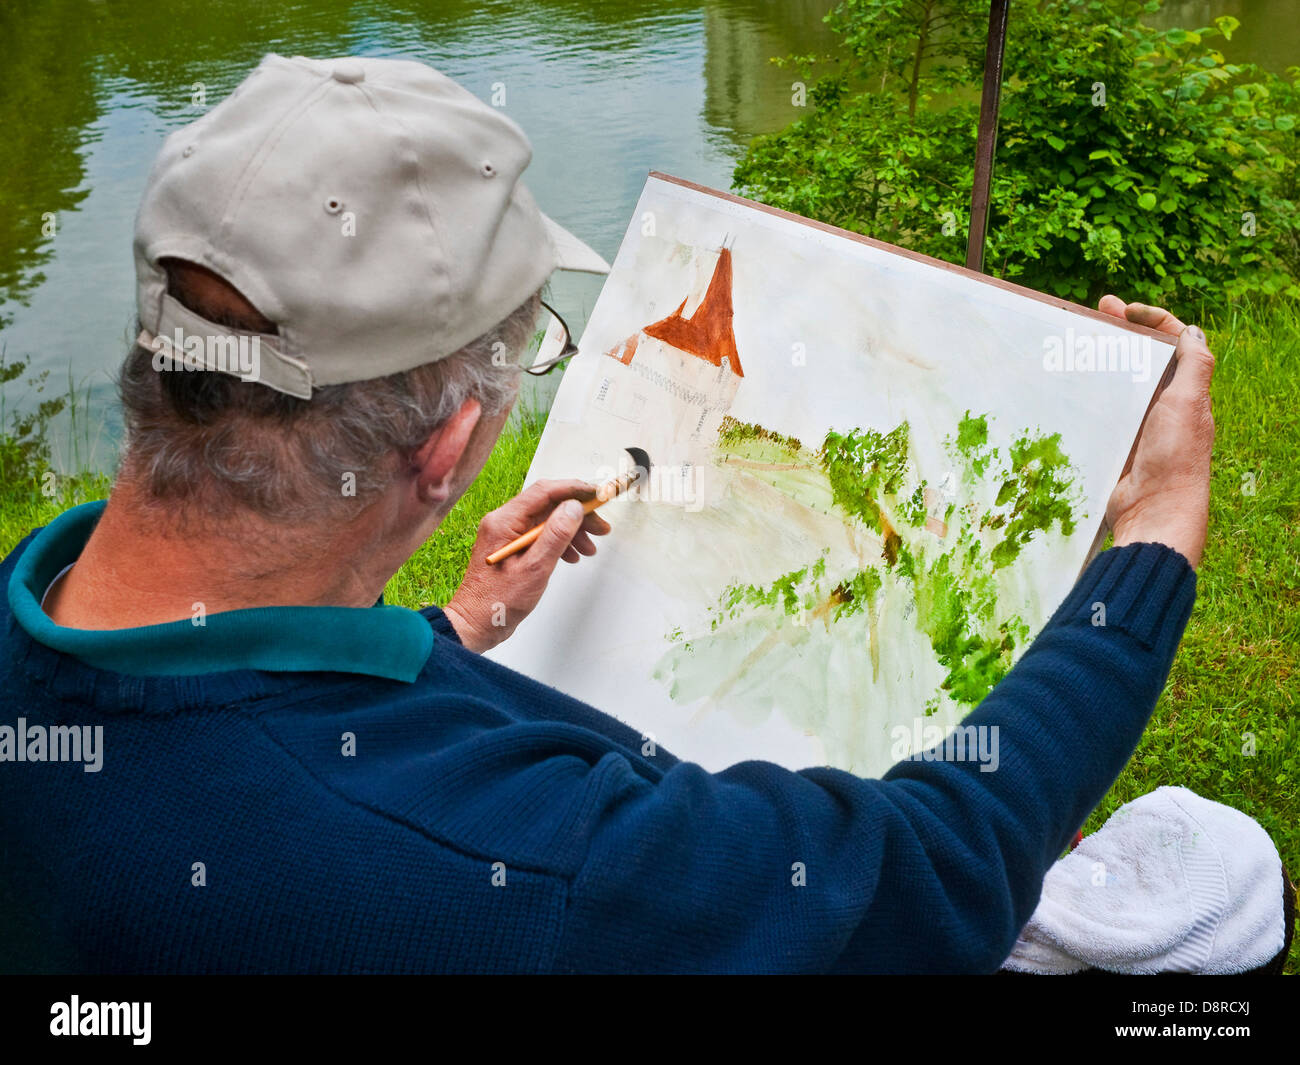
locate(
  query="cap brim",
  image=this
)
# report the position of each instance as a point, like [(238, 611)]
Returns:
[(570, 252)]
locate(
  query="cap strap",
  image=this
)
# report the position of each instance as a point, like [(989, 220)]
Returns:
[(188, 341)]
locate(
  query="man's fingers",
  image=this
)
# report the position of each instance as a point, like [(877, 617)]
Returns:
[(565, 536), (557, 536), (582, 543), (1141, 314), (1153, 318), (541, 496), (1111, 305), (530, 507), (596, 525)]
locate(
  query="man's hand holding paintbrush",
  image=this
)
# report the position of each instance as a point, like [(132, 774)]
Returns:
[(493, 599)]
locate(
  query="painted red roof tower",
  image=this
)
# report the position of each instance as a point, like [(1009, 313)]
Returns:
[(706, 334)]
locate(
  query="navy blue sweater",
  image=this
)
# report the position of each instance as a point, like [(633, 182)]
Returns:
[(485, 822)]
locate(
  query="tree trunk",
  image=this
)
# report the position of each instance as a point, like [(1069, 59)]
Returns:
[(921, 41)]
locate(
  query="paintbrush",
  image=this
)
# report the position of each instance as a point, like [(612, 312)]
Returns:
[(603, 495)]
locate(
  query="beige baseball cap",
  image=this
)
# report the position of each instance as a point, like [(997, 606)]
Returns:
[(371, 208)]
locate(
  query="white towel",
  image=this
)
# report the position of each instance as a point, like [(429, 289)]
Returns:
[(1171, 883)]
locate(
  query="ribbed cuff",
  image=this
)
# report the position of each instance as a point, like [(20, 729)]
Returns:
[(440, 623), (1145, 590)]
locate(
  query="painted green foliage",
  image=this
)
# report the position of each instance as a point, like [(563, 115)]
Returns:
[(864, 466), (952, 577)]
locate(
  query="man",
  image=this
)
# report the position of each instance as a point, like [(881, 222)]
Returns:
[(293, 777)]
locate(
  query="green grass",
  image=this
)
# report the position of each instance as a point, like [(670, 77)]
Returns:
[(24, 506), (1235, 673)]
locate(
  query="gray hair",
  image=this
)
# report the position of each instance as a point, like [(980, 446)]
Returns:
[(209, 440)]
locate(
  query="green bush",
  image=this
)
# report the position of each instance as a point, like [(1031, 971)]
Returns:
[(1129, 159)]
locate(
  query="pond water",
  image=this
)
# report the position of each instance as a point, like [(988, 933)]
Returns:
[(605, 90)]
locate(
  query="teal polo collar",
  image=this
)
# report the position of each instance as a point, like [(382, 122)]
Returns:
[(380, 641)]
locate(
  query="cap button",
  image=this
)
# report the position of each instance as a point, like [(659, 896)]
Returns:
[(348, 73)]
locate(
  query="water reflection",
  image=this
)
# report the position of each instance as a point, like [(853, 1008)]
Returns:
[(606, 91), (1269, 33)]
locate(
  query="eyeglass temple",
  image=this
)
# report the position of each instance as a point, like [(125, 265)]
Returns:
[(568, 350)]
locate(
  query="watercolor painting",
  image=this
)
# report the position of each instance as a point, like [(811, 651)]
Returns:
[(873, 478)]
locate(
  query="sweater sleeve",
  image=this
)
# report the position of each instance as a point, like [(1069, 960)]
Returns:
[(933, 868)]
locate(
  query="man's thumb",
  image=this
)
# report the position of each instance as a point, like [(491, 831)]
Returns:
[(560, 529), (1195, 363)]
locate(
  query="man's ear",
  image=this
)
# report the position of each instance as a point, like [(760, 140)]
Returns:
[(437, 459)]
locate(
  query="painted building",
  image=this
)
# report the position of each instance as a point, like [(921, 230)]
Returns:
[(691, 355)]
